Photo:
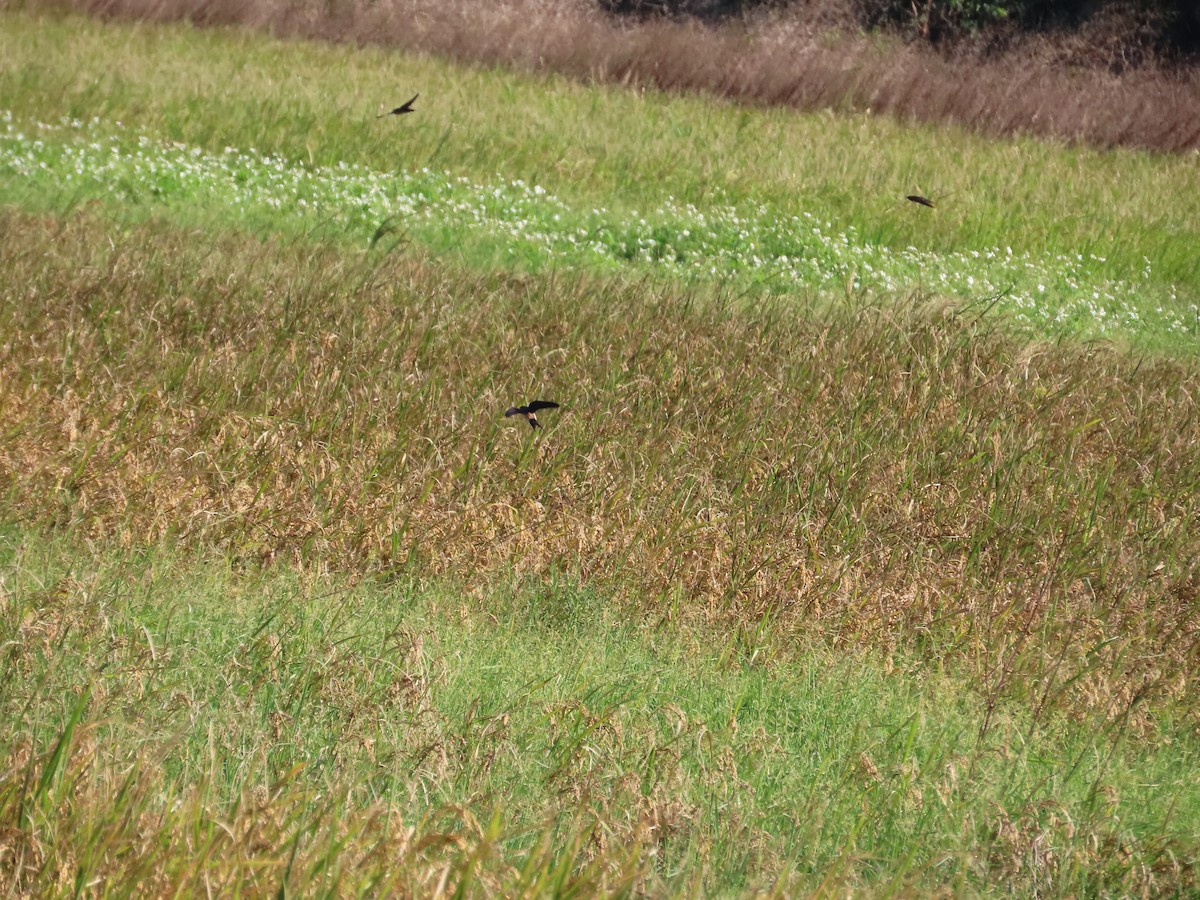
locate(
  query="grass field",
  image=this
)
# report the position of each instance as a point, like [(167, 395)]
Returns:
[(525, 172), (837, 581), (185, 725), (1057, 85)]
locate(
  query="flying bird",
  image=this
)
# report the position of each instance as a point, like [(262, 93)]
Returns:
[(401, 110), (924, 201), (530, 411)]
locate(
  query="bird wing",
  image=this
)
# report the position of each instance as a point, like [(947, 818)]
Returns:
[(542, 404), (511, 411), (409, 104)]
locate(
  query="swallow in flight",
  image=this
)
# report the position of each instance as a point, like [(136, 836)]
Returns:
[(924, 201), (530, 411), (401, 110)]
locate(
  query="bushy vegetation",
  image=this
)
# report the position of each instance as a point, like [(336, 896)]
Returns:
[(965, 13), (1177, 21)]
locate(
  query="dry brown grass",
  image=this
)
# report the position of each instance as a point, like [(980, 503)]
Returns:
[(790, 61), (871, 477)]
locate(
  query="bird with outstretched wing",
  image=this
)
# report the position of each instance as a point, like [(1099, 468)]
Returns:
[(530, 411), (401, 110)]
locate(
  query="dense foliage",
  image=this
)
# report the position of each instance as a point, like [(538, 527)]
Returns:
[(1173, 23)]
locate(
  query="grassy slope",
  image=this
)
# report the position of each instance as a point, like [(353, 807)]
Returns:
[(302, 711), (610, 147), (1005, 528)]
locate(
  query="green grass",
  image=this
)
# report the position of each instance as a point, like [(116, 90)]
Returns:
[(156, 692), (523, 227), (838, 587), (875, 475), (1097, 244)]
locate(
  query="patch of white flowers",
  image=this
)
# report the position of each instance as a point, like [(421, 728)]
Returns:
[(751, 242)]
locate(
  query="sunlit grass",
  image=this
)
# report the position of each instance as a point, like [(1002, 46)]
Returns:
[(314, 732), (883, 474), (605, 148), (843, 589), (527, 226)]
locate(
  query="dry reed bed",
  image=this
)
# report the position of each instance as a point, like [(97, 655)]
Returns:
[(871, 476), (781, 61)]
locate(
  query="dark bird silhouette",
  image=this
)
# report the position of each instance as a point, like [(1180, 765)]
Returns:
[(401, 110), (530, 411), (924, 201)]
